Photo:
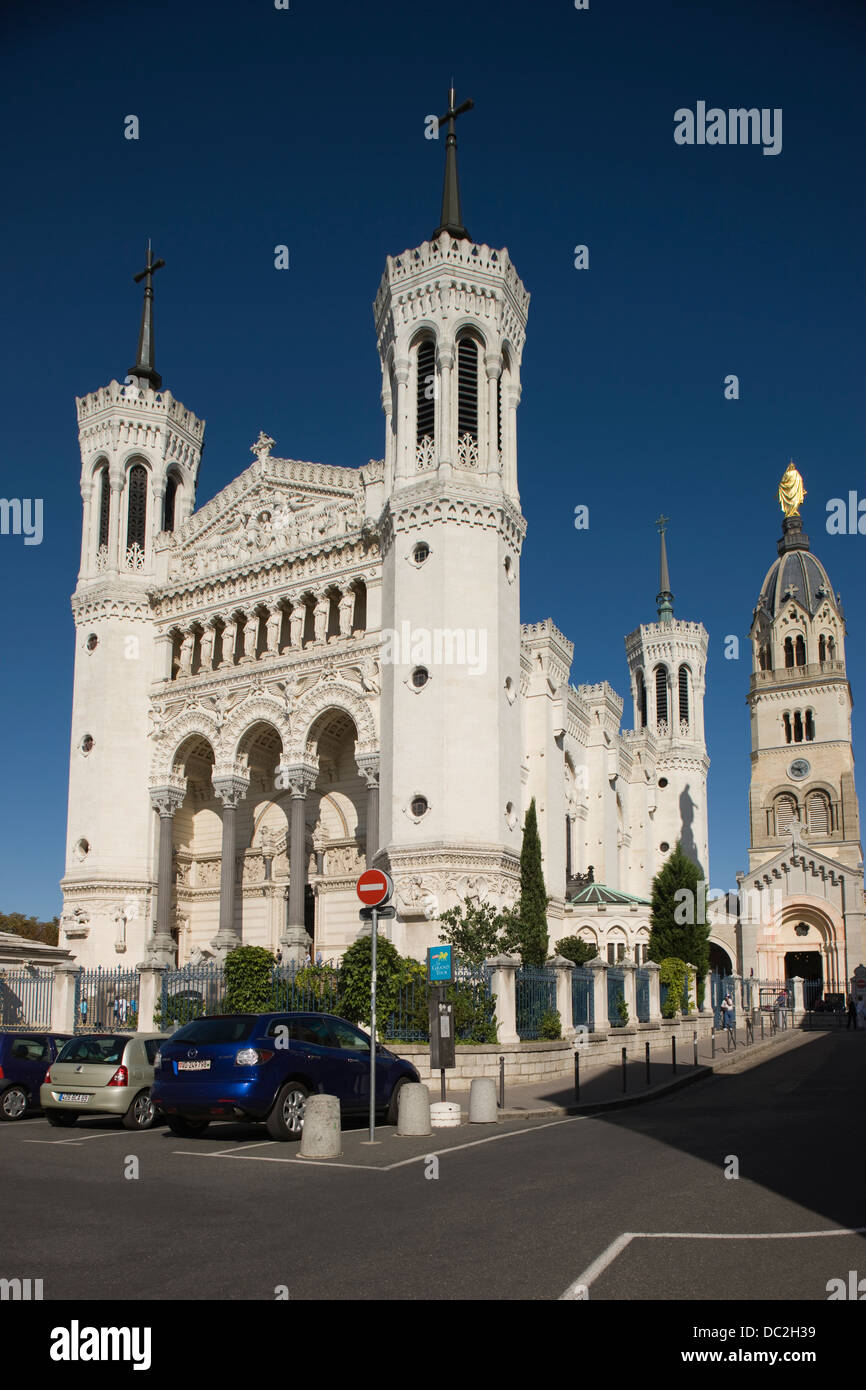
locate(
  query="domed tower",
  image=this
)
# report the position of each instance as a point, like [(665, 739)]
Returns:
[(800, 702), (667, 661), (450, 325), (140, 454), (802, 902)]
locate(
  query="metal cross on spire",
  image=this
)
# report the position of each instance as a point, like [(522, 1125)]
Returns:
[(452, 217), (664, 597), (144, 368)]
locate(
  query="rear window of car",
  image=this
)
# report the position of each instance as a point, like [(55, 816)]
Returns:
[(217, 1030), (95, 1050), (151, 1047), (28, 1049)]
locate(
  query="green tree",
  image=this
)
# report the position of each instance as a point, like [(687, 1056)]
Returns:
[(532, 908), (249, 980), (356, 972), (477, 930), (678, 916), (576, 949), (31, 928)]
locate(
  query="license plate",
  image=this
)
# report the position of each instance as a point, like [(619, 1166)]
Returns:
[(72, 1095), (193, 1066)]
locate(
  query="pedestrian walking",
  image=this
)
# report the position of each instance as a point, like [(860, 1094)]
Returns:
[(852, 1013)]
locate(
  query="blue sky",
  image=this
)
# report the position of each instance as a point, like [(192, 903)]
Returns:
[(305, 127)]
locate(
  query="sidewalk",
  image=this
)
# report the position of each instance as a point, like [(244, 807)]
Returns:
[(601, 1087)]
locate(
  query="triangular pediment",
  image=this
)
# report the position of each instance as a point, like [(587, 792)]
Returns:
[(792, 856), (274, 507)]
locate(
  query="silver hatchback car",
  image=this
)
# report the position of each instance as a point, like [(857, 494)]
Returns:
[(102, 1074)]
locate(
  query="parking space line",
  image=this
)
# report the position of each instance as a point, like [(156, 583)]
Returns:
[(490, 1139), (290, 1158), (577, 1290)]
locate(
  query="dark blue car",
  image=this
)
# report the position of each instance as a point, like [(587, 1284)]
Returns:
[(24, 1059), (263, 1066)]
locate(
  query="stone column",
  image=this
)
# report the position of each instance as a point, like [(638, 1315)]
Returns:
[(655, 1010), (798, 1001), (230, 790), (368, 768), (564, 969), (161, 948), (163, 651), (493, 363), (63, 997), (388, 408), (402, 466), (599, 994), (116, 529), (445, 364), (89, 533), (510, 400), (502, 983), (149, 991), (295, 940)]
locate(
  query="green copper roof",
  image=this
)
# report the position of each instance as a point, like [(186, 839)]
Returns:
[(597, 894)]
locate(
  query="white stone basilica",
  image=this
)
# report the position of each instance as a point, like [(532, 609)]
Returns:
[(324, 667)]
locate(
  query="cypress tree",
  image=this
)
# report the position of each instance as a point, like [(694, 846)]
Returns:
[(678, 917), (533, 894)]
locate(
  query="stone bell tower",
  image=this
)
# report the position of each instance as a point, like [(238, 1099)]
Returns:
[(450, 324), (668, 663), (140, 454)]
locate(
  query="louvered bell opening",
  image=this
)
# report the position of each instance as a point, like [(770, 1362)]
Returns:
[(819, 814), (661, 693), (137, 523), (785, 811), (426, 398), (104, 507), (684, 694), (467, 388)]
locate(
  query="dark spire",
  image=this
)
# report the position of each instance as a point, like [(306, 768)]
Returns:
[(452, 217), (144, 369), (664, 597)]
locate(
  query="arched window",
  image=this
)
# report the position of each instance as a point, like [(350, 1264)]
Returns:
[(425, 396), (810, 725), (661, 694), (798, 726), (786, 723), (789, 652), (168, 508), (818, 812), (104, 507), (136, 526), (822, 648), (641, 699), (765, 660), (684, 694), (799, 652), (786, 812), (467, 389)]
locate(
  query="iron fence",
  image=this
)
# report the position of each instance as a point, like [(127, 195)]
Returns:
[(106, 1000), (306, 988), (26, 993), (642, 995), (582, 997), (190, 992), (474, 1007), (615, 992), (535, 988)]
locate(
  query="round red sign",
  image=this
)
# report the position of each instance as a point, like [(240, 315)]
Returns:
[(374, 887)]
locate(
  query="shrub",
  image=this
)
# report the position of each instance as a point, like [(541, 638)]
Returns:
[(622, 1011), (674, 973), (550, 1025), (356, 976), (574, 948), (249, 980)]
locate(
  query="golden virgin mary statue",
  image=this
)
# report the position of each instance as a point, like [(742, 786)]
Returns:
[(791, 491)]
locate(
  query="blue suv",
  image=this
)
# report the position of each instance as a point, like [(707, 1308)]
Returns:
[(24, 1059), (264, 1066)]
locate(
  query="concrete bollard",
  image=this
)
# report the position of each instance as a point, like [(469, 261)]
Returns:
[(482, 1101), (413, 1109), (445, 1114), (320, 1137)]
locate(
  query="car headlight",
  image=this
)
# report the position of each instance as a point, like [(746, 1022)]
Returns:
[(252, 1057)]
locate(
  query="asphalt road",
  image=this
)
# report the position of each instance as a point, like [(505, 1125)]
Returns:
[(522, 1214)]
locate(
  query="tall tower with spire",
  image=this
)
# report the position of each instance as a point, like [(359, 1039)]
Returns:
[(667, 662), (140, 454), (450, 324)]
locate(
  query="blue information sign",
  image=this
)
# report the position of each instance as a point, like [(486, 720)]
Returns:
[(439, 965)]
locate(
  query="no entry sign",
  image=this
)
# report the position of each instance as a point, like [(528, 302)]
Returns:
[(374, 887)]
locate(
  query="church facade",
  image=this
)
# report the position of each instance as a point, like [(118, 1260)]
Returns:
[(324, 668)]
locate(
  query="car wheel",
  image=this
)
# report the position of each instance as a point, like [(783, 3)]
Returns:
[(286, 1120), (186, 1129), (391, 1116), (141, 1114), (13, 1103), (59, 1119)]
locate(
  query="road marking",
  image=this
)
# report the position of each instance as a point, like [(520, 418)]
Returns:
[(576, 1290), (109, 1134), (266, 1158)]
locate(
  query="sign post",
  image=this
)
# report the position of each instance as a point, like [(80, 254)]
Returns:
[(440, 972), (374, 888)]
